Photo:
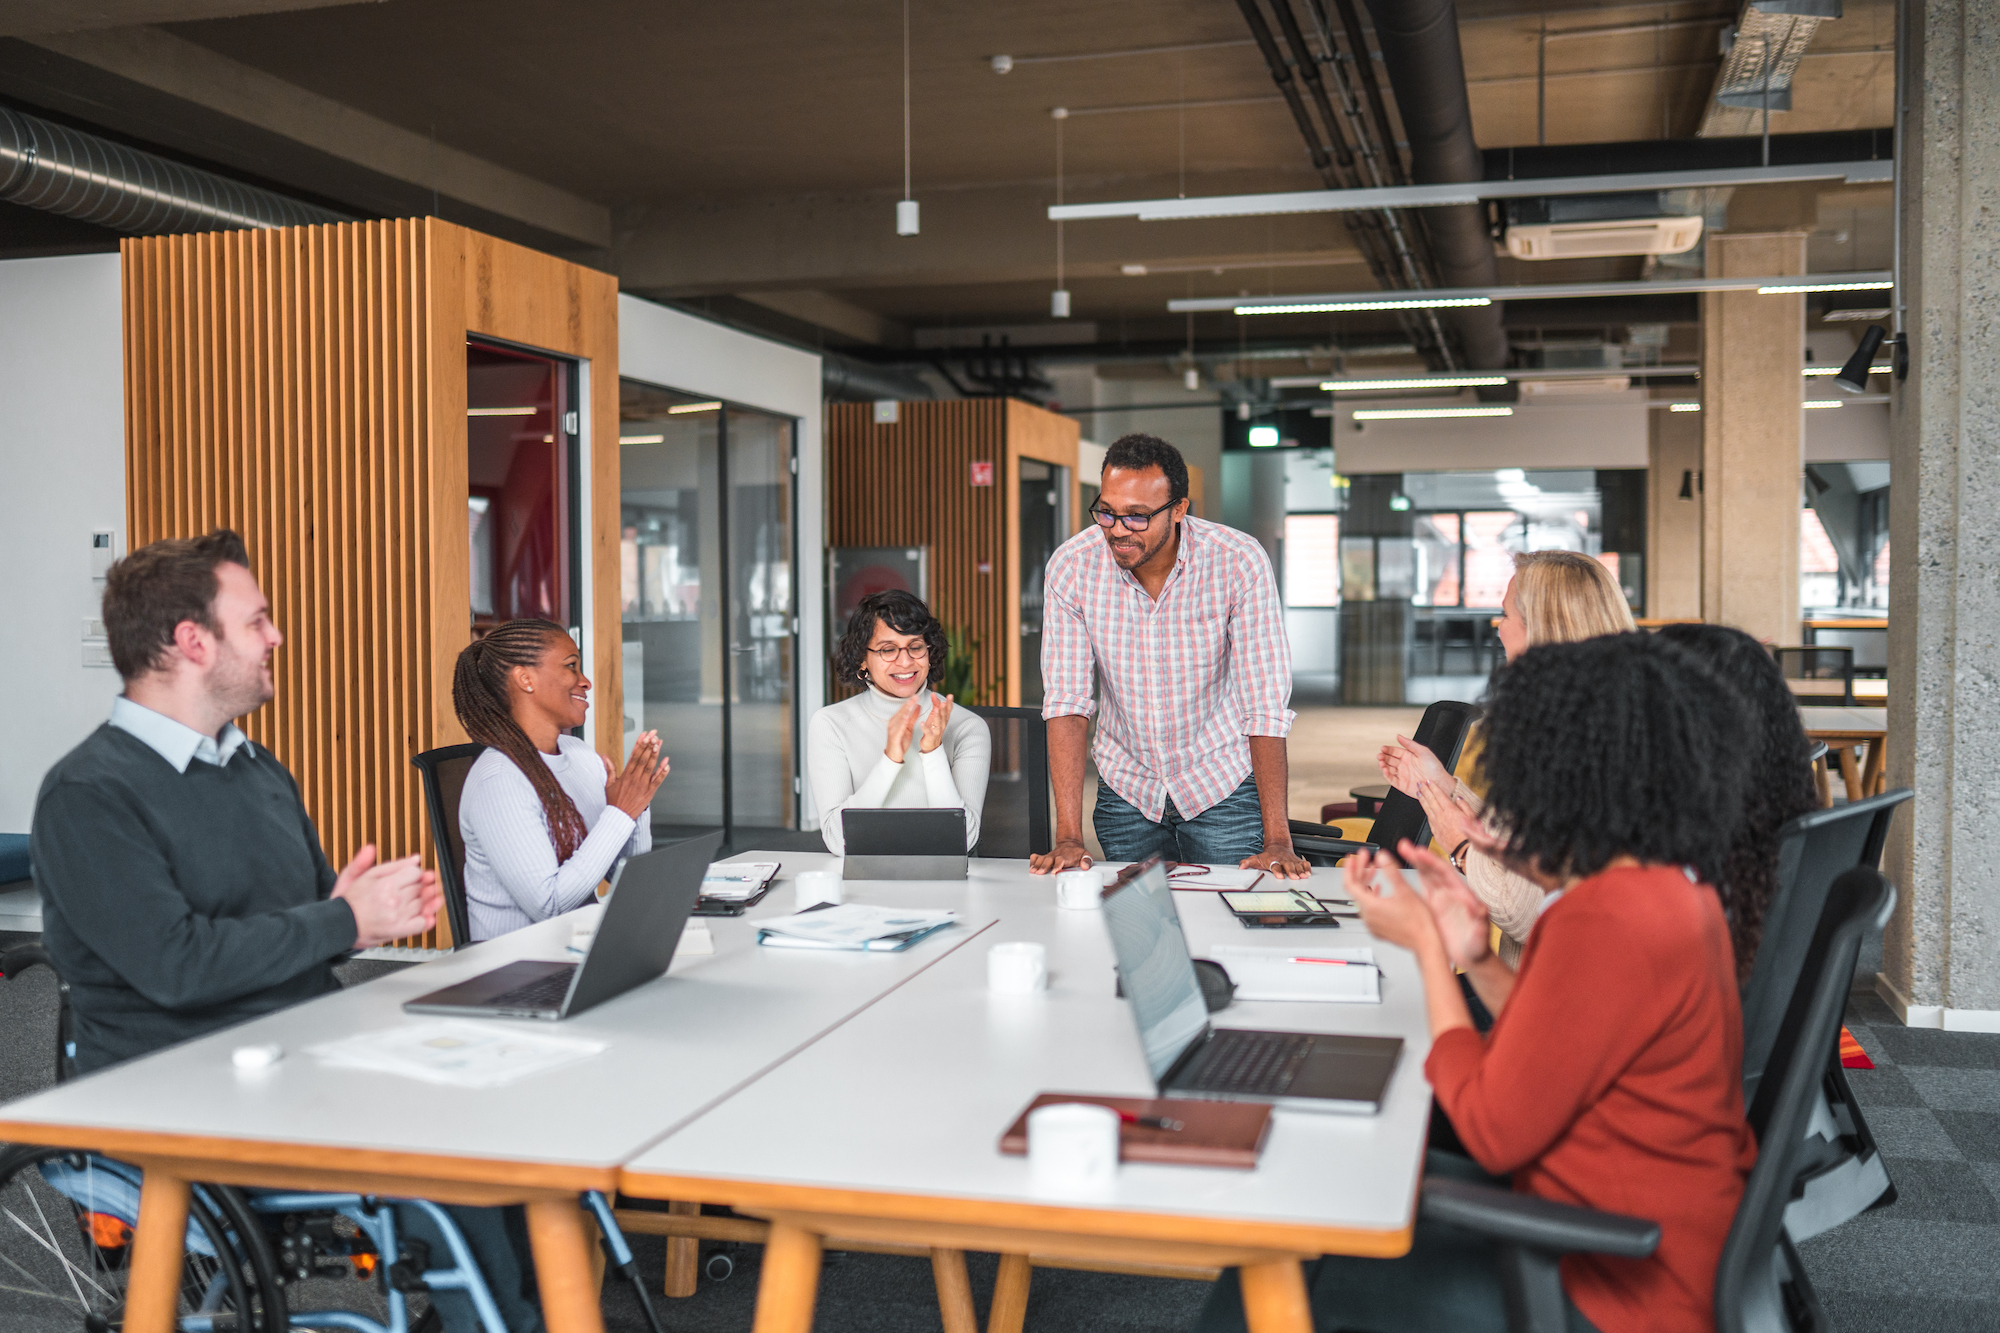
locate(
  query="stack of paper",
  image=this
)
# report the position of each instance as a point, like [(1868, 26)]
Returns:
[(737, 881), (455, 1052), (1306, 972), (855, 926)]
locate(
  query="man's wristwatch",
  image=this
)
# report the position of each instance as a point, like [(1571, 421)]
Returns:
[(1458, 856)]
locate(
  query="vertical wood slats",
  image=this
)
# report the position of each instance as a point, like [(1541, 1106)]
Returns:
[(306, 386)]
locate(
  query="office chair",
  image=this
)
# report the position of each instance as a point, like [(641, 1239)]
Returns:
[(1843, 1174), (1761, 1285), (1014, 825), (1818, 675), (444, 771), (1442, 731)]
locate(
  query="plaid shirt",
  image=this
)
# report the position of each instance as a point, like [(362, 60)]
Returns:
[(1186, 679)]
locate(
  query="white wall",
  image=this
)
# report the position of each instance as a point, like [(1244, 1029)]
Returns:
[(1850, 433), (680, 351), (62, 474)]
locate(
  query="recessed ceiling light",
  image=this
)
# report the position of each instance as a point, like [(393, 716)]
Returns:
[(1814, 372), (1823, 402), (1418, 382), (642, 439), (1431, 413), (1789, 288), (501, 411), (1684, 407), (1336, 307), (682, 409)]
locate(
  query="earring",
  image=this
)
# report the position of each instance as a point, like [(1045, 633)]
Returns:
[(531, 689)]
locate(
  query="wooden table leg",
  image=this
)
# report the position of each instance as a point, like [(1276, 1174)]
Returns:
[(1823, 783), (1872, 768), (789, 1286), (562, 1266), (954, 1291), (153, 1288), (1850, 773), (683, 1253), (1010, 1295), (1274, 1298)]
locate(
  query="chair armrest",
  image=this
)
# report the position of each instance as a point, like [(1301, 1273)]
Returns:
[(1307, 845), (1302, 828), (1520, 1219)]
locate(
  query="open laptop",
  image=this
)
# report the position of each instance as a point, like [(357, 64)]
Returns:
[(903, 844), (1300, 1071), (652, 896)]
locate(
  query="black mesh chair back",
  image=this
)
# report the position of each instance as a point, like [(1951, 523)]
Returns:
[(1442, 731), (19, 959), (1818, 674), (444, 771), (1813, 850), (1015, 819), (1760, 1284)]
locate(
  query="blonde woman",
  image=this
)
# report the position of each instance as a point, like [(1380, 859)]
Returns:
[(1554, 597)]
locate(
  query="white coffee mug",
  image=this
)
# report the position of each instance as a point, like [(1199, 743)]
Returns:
[(1072, 1148), (1019, 968), (818, 886), (1081, 890)]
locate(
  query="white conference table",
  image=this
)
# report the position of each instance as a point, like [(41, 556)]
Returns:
[(675, 1048), (887, 1129)]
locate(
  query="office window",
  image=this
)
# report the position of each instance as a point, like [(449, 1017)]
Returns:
[(1312, 560)]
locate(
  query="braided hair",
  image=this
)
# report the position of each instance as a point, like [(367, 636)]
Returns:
[(1780, 760), (479, 696)]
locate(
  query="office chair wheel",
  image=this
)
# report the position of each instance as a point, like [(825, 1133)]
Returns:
[(66, 1242), (719, 1267)]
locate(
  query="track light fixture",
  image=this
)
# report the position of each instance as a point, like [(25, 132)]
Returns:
[(1853, 376)]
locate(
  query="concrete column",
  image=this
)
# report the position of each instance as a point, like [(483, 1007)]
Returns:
[(1752, 348), (1673, 523), (1941, 954)]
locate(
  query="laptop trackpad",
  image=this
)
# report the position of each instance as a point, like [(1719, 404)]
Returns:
[(1347, 1069)]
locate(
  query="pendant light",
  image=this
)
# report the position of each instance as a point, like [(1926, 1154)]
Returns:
[(906, 209), (1059, 298)]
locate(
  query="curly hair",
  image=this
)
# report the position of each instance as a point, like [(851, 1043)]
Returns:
[(479, 696), (1781, 786), (1622, 745), (1138, 452), (903, 612)]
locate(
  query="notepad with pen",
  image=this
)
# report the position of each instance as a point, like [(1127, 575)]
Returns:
[(1347, 976), (854, 927)]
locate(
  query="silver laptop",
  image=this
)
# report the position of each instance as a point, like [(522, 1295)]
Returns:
[(652, 896), (1300, 1071), (903, 844)]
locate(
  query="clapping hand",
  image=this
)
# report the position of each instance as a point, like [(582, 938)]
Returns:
[(901, 727), (1462, 923), (934, 724), (631, 790), (1393, 911), (1406, 764), (389, 901), (1452, 815)]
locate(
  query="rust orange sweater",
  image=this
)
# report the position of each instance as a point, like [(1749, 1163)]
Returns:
[(1613, 1080)]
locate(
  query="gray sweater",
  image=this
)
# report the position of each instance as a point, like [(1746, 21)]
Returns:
[(175, 904)]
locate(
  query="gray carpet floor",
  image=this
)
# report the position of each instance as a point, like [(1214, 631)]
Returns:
[(1929, 1263)]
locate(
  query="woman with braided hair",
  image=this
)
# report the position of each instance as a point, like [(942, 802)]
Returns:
[(545, 819)]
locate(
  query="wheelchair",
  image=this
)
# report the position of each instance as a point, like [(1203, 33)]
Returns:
[(66, 1230)]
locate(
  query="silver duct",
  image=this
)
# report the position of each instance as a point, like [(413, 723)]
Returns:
[(78, 175)]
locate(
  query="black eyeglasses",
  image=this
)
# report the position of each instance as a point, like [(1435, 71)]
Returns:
[(1133, 522)]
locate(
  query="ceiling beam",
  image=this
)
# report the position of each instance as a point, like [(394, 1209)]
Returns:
[(23, 18), (1873, 279), (165, 63)]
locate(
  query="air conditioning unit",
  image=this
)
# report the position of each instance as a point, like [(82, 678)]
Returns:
[(1590, 240), (1531, 389)]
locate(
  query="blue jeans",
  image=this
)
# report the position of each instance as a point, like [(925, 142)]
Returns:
[(1222, 835), (1446, 1281)]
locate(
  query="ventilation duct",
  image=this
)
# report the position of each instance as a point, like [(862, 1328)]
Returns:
[(78, 175)]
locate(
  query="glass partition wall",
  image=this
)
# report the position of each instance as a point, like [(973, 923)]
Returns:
[(709, 607)]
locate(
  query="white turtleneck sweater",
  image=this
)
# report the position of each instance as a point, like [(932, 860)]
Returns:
[(847, 757)]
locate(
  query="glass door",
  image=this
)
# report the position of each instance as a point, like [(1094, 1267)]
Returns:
[(1044, 516), (707, 604)]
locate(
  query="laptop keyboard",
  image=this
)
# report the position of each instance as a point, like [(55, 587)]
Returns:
[(542, 993), (1253, 1062)]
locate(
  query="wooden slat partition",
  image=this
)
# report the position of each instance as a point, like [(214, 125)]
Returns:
[(909, 483), (306, 386)]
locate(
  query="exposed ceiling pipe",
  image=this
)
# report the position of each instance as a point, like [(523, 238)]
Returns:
[(843, 379), (60, 170), (1419, 40)]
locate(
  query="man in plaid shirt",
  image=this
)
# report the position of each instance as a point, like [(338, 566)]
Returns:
[(1178, 621)]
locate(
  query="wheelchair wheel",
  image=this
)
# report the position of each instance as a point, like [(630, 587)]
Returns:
[(66, 1243)]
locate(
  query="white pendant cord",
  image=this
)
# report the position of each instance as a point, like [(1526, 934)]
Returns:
[(906, 99), (1061, 115)]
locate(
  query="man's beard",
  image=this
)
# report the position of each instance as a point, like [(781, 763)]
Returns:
[(237, 684)]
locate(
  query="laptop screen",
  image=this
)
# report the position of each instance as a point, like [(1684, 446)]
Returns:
[(1153, 963)]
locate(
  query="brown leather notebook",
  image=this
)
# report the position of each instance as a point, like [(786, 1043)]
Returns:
[(1211, 1133)]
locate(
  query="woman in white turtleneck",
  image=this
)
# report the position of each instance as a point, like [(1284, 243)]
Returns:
[(895, 745)]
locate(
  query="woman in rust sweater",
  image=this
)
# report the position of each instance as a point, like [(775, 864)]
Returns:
[(1612, 1077)]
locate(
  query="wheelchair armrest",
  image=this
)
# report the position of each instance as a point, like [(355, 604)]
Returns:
[(1520, 1219), (22, 957)]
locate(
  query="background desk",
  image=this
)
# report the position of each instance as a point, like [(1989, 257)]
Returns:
[(887, 1129), (1844, 728), (675, 1048)]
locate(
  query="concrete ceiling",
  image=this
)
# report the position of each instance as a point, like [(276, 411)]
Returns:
[(750, 154)]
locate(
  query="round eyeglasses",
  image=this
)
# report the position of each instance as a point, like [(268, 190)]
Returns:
[(915, 652)]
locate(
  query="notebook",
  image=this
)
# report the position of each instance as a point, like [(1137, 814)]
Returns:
[(1211, 1133)]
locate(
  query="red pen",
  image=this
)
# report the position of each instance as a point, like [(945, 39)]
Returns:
[(1149, 1121), (1328, 962)]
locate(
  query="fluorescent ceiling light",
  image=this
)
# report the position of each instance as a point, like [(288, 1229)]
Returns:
[(1823, 402), (1332, 307), (1684, 407), (642, 439), (682, 409), (1813, 372), (501, 411), (1315, 302), (1420, 382), (1788, 288), (1430, 413), (1469, 192)]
